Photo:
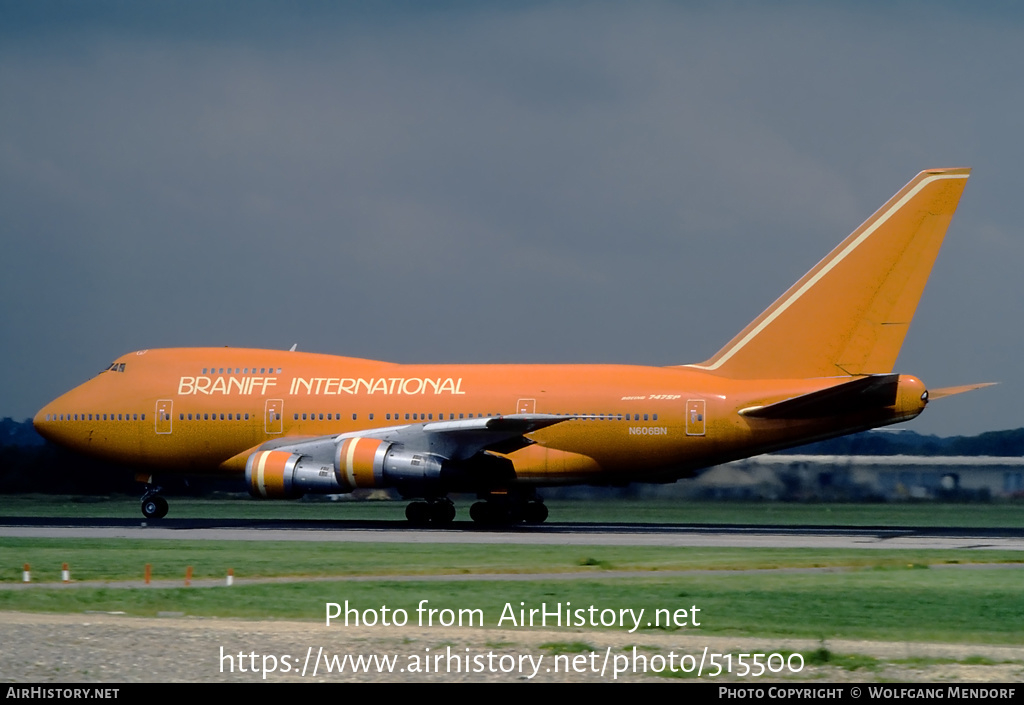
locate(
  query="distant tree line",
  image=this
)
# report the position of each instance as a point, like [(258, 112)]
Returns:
[(994, 443), (29, 463)]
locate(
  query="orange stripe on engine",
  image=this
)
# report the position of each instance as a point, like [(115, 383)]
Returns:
[(273, 478), (357, 456)]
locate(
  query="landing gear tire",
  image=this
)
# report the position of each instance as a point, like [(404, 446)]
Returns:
[(154, 507), (535, 513), (439, 512), (418, 513), (442, 512), (508, 511), (480, 513)]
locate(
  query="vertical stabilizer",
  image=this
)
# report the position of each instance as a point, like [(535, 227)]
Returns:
[(850, 313)]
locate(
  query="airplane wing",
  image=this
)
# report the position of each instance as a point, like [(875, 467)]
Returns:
[(463, 438), (860, 394), (409, 457)]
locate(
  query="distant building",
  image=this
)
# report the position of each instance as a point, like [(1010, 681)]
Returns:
[(888, 477)]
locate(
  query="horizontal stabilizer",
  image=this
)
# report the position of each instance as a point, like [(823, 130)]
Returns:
[(861, 394), (950, 391)]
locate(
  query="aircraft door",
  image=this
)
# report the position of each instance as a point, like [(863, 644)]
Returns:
[(162, 421), (695, 423), (273, 417), (526, 406)]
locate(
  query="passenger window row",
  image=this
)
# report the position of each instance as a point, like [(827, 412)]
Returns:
[(95, 417), (451, 417), (240, 370), (321, 417)]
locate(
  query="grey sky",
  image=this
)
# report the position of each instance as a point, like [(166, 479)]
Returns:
[(505, 182)]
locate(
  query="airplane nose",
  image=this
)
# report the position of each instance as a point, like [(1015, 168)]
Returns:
[(42, 421), (49, 422)]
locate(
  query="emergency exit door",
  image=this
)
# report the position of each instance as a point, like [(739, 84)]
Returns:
[(164, 408), (526, 406), (273, 416), (695, 423)]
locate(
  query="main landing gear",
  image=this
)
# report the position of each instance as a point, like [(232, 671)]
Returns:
[(493, 510), (153, 505), (438, 511), (502, 510)]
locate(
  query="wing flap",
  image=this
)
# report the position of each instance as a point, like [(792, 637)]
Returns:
[(500, 434), (457, 439)]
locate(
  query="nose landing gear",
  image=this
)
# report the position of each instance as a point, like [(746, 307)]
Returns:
[(153, 505)]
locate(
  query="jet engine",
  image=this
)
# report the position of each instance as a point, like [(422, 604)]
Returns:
[(287, 473), (282, 474), (371, 462)]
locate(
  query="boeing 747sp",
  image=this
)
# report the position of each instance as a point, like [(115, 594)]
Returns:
[(817, 363)]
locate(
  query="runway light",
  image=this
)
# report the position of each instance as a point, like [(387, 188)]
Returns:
[(231, 577), (26, 574), (148, 572), (65, 573), (188, 576)]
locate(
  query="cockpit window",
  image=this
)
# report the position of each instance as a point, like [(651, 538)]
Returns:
[(115, 367)]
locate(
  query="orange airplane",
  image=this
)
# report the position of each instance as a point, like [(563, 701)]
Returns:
[(816, 364)]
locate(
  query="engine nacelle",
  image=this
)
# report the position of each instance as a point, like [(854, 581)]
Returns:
[(405, 467), (371, 462), (357, 463), (281, 474)]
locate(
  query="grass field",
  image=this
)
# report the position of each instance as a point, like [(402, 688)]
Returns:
[(912, 604), (124, 559), (876, 594), (924, 514), (856, 594)]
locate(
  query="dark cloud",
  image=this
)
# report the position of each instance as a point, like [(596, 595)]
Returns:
[(535, 183)]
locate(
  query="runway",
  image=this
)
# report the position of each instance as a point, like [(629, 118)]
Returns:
[(580, 534)]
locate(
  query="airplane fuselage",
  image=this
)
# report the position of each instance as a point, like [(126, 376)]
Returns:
[(205, 410)]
